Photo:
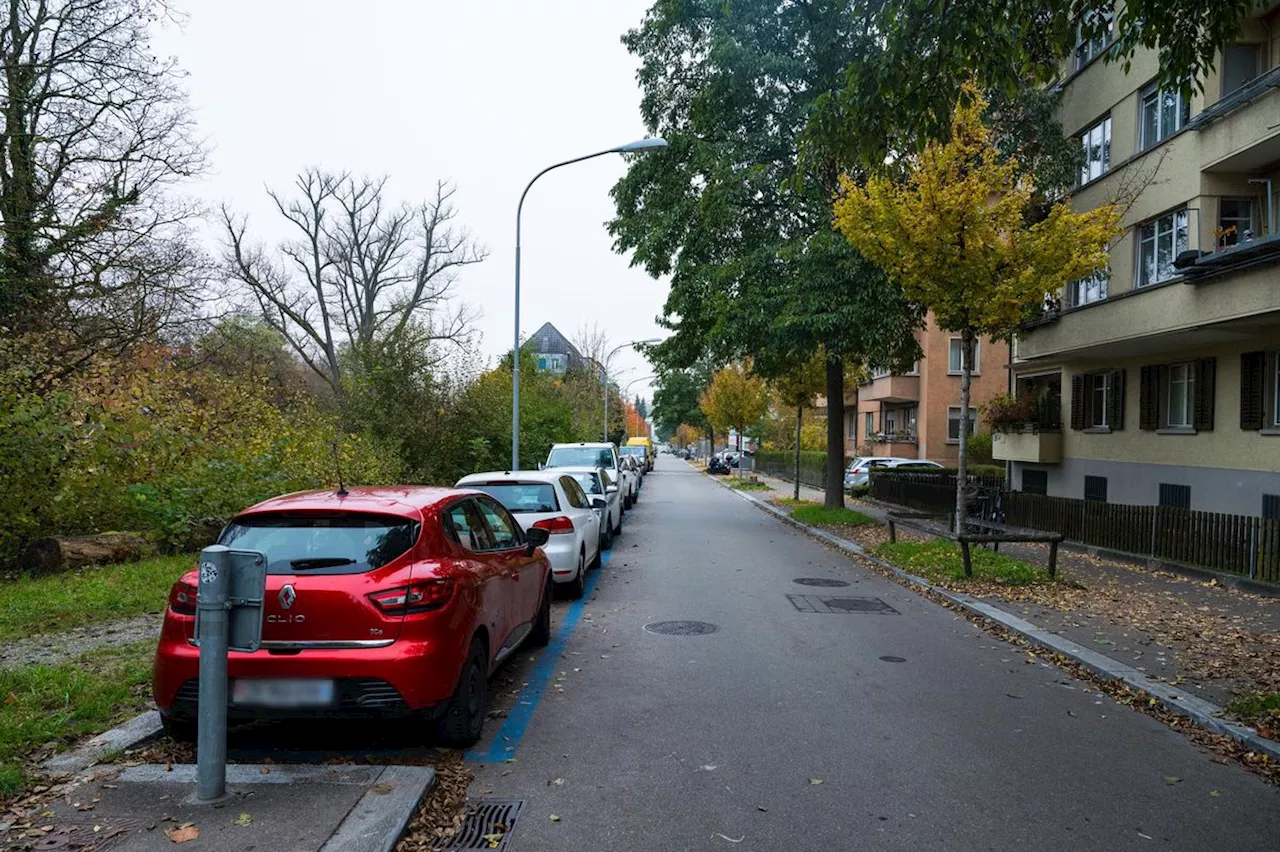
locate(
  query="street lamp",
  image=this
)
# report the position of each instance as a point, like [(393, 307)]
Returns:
[(638, 147), (604, 369), (627, 389)]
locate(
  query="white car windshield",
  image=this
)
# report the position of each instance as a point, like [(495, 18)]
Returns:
[(580, 457)]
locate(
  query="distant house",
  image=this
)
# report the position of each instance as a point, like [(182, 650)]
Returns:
[(553, 351)]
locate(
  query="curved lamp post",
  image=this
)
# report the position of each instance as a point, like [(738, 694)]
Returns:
[(604, 369), (626, 389), (637, 147)]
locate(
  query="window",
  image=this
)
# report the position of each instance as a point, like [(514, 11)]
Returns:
[(1035, 481), (871, 426), (1235, 221), (1164, 113), (1240, 64), (1182, 391), (890, 421), (505, 531), (853, 427), (1097, 388), (1175, 496), (1271, 507), (1259, 390), (1090, 48), (573, 493), (468, 527), (1096, 142), (542, 363), (1160, 241), (339, 543), (1095, 488), (953, 423), (1091, 289), (915, 369), (955, 356), (880, 373), (1097, 400)]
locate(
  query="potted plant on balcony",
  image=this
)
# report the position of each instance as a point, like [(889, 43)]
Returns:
[(1014, 414)]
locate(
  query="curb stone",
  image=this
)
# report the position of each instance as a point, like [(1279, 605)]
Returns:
[(131, 734), (1202, 712)]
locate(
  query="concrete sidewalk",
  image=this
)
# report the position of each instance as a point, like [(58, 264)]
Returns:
[(147, 808), (1217, 641)]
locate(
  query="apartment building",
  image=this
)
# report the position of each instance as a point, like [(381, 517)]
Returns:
[(1163, 370), (917, 414)]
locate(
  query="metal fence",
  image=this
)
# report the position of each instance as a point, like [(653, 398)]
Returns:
[(1236, 544), (781, 465)]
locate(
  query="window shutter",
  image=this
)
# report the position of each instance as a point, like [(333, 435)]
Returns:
[(1149, 399), (1252, 367), (1077, 402), (1206, 369), (1115, 401)]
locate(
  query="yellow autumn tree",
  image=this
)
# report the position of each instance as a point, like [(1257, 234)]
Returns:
[(955, 235), (735, 399), (797, 389)]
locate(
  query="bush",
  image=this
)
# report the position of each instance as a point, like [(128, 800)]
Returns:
[(860, 491), (979, 449)]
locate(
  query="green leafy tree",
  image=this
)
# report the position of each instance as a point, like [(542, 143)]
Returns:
[(798, 389), (735, 399), (899, 90), (955, 234), (675, 399), (729, 212)]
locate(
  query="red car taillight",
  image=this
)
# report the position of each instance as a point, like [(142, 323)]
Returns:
[(560, 524), (415, 597), (182, 598)]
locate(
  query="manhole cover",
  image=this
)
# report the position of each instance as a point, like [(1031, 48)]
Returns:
[(893, 659), (681, 628), (825, 582), (488, 825), (822, 603)]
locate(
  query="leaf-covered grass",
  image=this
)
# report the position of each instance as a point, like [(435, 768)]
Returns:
[(87, 596), (1257, 707), (939, 560), (791, 501), (813, 515), (747, 485), (58, 704)]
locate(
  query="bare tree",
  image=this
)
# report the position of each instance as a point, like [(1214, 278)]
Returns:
[(360, 272), (96, 133)]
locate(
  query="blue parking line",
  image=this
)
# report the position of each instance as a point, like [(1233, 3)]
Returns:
[(507, 740)]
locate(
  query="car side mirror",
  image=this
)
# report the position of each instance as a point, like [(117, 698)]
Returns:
[(598, 502), (537, 537), (612, 489)]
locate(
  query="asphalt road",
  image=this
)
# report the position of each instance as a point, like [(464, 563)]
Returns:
[(790, 730)]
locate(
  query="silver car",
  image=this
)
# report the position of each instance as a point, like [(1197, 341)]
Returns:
[(605, 497), (859, 470)]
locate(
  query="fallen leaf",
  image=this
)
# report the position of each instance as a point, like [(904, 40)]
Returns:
[(244, 819), (263, 770), (183, 833), (1172, 779), (1214, 793), (556, 782), (815, 781), (555, 817), (762, 808)]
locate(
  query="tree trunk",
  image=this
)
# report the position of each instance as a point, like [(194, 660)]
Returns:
[(799, 423), (834, 495), (54, 555), (966, 368)]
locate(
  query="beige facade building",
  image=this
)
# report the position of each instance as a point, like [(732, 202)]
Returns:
[(917, 414), (1164, 369)]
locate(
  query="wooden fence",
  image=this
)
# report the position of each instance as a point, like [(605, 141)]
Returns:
[(1235, 544)]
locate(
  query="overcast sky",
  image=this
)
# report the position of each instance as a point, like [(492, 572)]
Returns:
[(483, 93)]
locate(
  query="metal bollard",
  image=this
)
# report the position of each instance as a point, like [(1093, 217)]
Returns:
[(212, 610)]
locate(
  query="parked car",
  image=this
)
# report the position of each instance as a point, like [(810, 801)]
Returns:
[(380, 602), (629, 479), (858, 471), (553, 501), (647, 443), (603, 455), (601, 487), (641, 454)]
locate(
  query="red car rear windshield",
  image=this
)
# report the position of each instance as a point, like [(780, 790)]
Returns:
[(338, 543)]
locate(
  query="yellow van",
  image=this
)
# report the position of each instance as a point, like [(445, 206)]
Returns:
[(643, 441)]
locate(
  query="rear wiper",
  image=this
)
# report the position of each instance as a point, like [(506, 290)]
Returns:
[(321, 562)]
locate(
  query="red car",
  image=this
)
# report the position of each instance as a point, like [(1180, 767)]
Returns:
[(395, 601)]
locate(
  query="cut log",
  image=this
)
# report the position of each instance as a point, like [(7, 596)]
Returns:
[(53, 555)]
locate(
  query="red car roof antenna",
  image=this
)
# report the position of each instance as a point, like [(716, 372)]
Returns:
[(337, 464)]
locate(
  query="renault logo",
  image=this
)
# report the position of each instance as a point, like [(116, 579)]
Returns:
[(287, 596)]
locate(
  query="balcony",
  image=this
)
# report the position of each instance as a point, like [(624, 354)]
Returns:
[(1032, 447), (891, 389)]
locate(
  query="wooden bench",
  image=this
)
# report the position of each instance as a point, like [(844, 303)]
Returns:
[(988, 532)]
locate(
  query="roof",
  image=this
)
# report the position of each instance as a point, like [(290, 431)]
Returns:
[(548, 339), (403, 500), (507, 476)]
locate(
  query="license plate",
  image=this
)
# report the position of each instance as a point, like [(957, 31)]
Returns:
[(282, 692)]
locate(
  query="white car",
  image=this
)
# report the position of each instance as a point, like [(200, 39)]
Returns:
[(640, 453), (628, 464), (596, 455), (858, 472), (555, 502), (604, 495)]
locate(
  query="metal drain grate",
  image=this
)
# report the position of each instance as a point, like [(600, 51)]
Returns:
[(488, 825), (680, 628), (822, 603), (824, 582)]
